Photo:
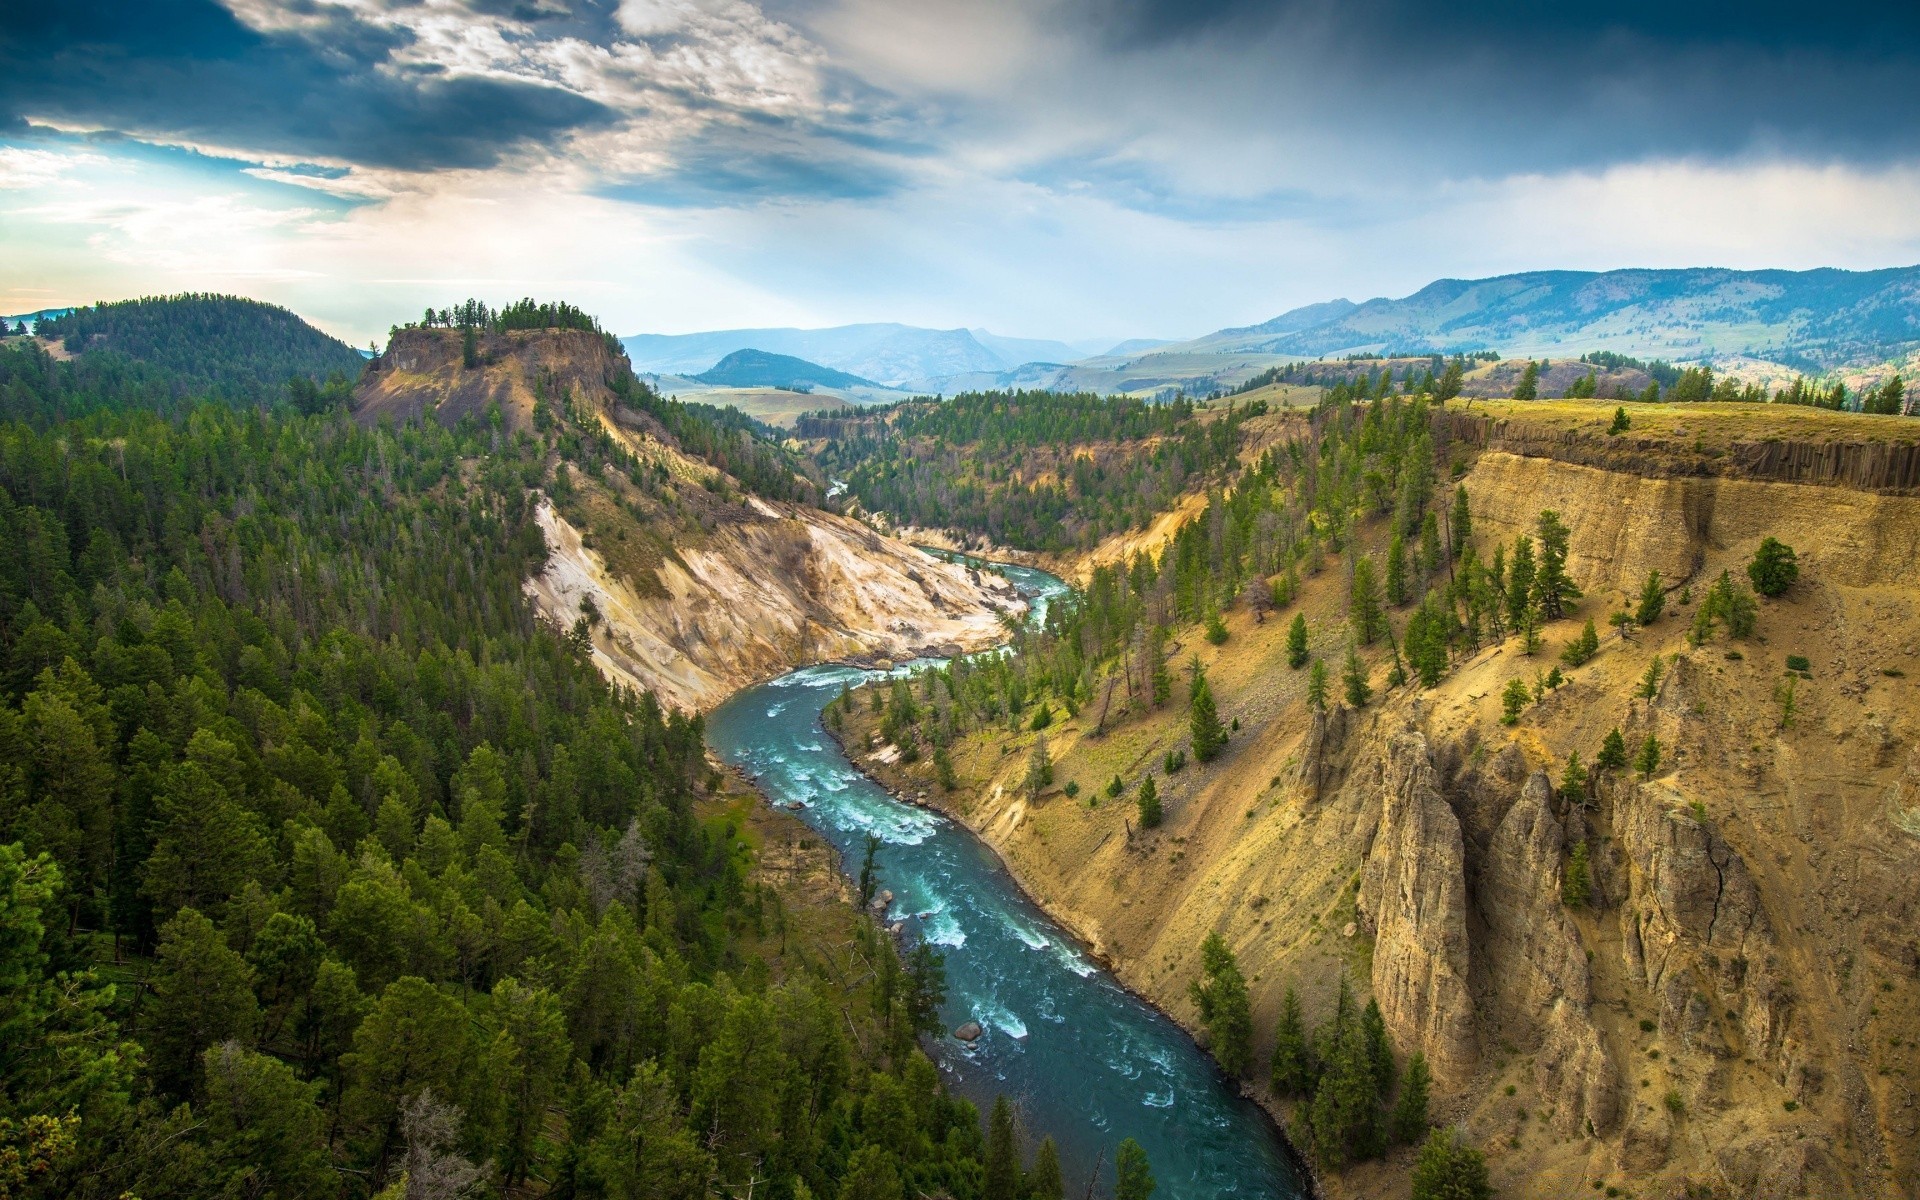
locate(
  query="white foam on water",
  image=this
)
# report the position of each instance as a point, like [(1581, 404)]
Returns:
[(1159, 1099), (943, 930)]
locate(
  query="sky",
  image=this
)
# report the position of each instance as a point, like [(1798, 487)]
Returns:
[(1078, 169)]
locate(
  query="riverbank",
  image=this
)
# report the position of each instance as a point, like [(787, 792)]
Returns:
[(1269, 1105)]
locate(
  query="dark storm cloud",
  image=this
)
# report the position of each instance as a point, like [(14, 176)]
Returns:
[(187, 69), (1511, 84)]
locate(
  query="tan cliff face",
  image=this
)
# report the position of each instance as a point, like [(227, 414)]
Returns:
[(693, 590), (759, 597), (1736, 1009)]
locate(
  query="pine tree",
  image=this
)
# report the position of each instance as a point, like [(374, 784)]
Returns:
[(1039, 768), (1449, 1169), (1134, 1175), (1408, 1121), (1620, 421), (1573, 780), (1364, 611), (1613, 752), (1514, 699), (1653, 601), (202, 995), (1317, 687), (1552, 587), (1297, 641), (1209, 736), (1221, 995), (1577, 885), (1149, 802), (1397, 570), (1044, 1182), (1529, 386), (1773, 568), (1650, 682), (1648, 760), (1460, 523), (1354, 676), (1216, 629), (1373, 1027), (1003, 1155), (1583, 647), (1519, 581), (1292, 1071)]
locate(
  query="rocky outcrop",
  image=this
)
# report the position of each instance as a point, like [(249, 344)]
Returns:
[(1693, 923), (423, 373), (1413, 899), (1543, 979), (759, 596)]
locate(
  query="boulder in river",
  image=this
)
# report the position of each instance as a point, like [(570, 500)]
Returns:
[(969, 1031)]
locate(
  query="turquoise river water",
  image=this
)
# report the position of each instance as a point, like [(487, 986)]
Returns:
[(1087, 1061)]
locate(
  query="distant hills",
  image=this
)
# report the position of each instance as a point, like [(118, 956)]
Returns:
[(886, 354), (760, 369), (225, 345), (1809, 320), (1768, 322)]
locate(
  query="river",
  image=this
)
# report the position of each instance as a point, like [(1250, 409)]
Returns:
[(1086, 1061)]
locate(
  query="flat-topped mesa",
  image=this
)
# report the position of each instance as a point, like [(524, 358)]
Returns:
[(425, 372), (1877, 455)]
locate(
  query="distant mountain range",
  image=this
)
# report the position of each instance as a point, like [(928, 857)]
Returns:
[(1807, 321), (891, 355), (1811, 320)]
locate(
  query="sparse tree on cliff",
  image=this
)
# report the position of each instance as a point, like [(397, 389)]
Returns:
[(1203, 720), (1408, 1121), (1297, 641), (1449, 1169), (1292, 1072), (1317, 687), (1221, 995), (1149, 802), (1459, 522), (1519, 581), (1613, 752), (1039, 769), (1354, 677), (1583, 647), (1363, 609), (1577, 885), (1514, 699), (1653, 600), (1773, 568), (1648, 760), (1552, 587)]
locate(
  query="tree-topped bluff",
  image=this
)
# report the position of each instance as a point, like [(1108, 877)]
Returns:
[(1553, 751), (686, 548)]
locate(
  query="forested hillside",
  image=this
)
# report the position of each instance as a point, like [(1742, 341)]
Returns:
[(1028, 470), (203, 345), (326, 869)]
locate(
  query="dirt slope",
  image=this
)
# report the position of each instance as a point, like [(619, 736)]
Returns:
[(1735, 1013)]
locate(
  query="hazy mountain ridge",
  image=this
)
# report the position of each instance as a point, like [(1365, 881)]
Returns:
[(1814, 320)]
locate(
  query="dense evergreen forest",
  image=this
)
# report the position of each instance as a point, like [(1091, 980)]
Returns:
[(1030, 470), (327, 870), (195, 346)]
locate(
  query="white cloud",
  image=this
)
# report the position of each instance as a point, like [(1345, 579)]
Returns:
[(21, 167)]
